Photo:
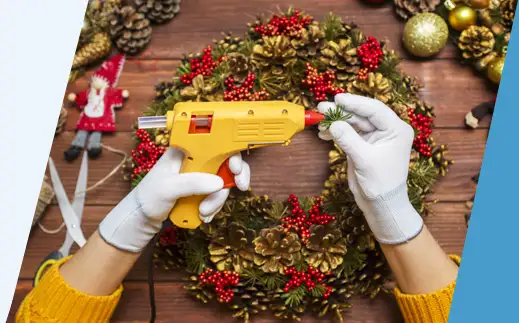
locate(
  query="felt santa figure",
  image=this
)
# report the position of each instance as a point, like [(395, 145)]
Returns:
[(97, 106)]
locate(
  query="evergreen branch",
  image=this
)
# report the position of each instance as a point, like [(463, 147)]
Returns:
[(333, 115), (352, 262), (318, 291), (294, 297), (332, 26)]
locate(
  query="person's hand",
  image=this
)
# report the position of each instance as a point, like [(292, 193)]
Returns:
[(378, 164), (136, 219)]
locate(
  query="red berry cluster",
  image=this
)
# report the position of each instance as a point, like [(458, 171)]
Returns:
[(285, 25), (370, 54), (245, 92), (320, 84), (168, 237), (300, 222), (146, 154), (423, 125), (311, 278), (221, 280), (204, 66)]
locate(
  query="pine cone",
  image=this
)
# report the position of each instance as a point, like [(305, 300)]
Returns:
[(342, 58), (96, 19), (158, 11), (44, 199), (276, 54), (408, 8), (281, 310), (424, 108), (311, 41), (439, 158), (257, 205), (62, 120), (162, 136), (130, 30), (232, 248), (163, 90), (228, 44), (300, 98), (201, 90), (411, 83), (239, 66), (198, 291), (374, 273), (248, 301), (508, 12), (98, 48), (476, 42), (376, 86), (325, 247), (276, 249), (339, 299), (168, 257)]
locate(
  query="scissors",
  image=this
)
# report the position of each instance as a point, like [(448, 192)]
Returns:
[(71, 213)]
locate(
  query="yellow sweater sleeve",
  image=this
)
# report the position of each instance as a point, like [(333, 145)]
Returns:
[(54, 301), (427, 308)]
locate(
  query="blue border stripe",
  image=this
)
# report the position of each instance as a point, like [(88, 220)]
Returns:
[(488, 281)]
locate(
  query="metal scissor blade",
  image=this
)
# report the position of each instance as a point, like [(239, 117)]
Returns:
[(77, 204), (69, 217)]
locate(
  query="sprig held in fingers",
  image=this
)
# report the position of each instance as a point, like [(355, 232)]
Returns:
[(335, 114)]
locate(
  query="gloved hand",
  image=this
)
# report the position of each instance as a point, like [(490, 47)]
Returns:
[(139, 216), (378, 163)]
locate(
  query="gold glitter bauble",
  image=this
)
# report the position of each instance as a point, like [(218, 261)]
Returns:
[(462, 17), (495, 69), (425, 34)]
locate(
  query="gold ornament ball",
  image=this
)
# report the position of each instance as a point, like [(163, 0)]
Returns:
[(425, 34), (462, 17), (495, 69)]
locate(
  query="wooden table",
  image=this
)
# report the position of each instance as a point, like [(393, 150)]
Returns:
[(453, 89)]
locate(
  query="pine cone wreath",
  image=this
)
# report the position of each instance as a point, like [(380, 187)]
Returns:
[(95, 50), (130, 30), (325, 247), (158, 11), (232, 248), (376, 86), (276, 249), (341, 58), (476, 42), (408, 8), (508, 12), (239, 66)]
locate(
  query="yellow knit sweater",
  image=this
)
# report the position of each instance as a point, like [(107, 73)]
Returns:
[(54, 301)]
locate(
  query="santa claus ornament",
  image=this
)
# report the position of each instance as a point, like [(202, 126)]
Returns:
[(97, 106)]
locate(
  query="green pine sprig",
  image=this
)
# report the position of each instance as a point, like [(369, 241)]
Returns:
[(336, 114), (295, 297)]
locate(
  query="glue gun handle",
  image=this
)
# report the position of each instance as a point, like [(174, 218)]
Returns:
[(225, 173)]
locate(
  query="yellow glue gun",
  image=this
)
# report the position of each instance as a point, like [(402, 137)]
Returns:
[(208, 133)]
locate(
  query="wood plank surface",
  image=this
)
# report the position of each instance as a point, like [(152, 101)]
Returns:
[(299, 168), (451, 88)]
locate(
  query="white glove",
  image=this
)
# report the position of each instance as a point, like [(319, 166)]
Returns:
[(139, 216), (378, 164)]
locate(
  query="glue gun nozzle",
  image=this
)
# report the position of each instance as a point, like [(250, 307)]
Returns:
[(313, 118)]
